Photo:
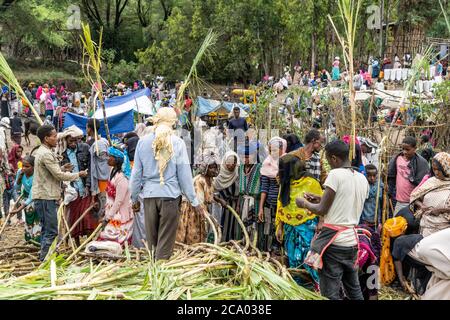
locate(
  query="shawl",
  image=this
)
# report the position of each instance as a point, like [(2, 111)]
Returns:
[(72, 131), (250, 184), (226, 178), (392, 228), (270, 165), (433, 183), (162, 145), (291, 214), (444, 160), (13, 160)]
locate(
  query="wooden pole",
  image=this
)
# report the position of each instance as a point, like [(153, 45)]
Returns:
[(381, 27)]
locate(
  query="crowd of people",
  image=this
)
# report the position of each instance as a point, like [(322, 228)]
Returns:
[(300, 199), (368, 75), (305, 204)]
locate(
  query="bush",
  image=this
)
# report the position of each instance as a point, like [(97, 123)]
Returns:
[(127, 72)]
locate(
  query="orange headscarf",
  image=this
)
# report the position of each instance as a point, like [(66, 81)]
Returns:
[(392, 228)]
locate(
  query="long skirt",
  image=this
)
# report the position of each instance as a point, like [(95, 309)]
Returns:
[(192, 227), (297, 242), (32, 226), (88, 224), (117, 231), (266, 231), (229, 222)]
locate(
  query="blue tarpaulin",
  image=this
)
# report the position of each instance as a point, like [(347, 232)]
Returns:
[(205, 106), (119, 123), (139, 101)]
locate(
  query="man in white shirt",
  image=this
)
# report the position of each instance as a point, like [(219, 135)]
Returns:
[(335, 250)]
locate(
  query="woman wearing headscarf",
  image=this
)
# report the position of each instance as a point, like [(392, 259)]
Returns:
[(118, 212), (193, 227), (226, 185), (432, 198), (431, 204), (15, 163), (15, 157), (296, 227), (269, 194)]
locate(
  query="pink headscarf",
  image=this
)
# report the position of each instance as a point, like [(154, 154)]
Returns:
[(346, 139), (270, 165)]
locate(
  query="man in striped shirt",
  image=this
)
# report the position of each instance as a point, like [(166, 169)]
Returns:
[(310, 153)]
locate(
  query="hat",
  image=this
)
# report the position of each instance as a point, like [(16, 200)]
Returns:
[(5, 122), (337, 58)]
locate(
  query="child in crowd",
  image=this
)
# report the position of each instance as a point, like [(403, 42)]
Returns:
[(369, 234)]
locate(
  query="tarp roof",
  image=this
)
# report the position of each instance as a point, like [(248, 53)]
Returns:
[(139, 101), (206, 106), (119, 123)]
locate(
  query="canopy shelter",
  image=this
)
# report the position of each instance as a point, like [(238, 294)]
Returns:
[(119, 123), (138, 101), (207, 106)]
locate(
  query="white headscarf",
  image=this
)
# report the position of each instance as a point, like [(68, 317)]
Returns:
[(163, 122), (72, 131), (226, 178)]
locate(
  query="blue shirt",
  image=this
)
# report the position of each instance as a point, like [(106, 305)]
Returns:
[(177, 176), (72, 155), (25, 186), (368, 213)]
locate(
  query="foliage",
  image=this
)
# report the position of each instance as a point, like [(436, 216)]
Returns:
[(122, 71), (40, 29), (257, 37)]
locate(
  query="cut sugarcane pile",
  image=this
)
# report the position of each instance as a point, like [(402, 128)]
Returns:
[(18, 260), (202, 271)]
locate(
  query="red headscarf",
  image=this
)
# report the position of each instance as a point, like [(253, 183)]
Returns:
[(13, 159)]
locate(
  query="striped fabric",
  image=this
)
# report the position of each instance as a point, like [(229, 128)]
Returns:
[(270, 186)]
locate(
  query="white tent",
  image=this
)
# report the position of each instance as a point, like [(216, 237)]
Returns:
[(139, 101)]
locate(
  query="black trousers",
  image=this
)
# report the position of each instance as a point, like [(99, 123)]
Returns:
[(339, 269)]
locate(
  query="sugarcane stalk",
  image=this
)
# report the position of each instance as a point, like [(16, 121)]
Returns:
[(67, 227), (96, 231), (67, 234), (5, 223), (241, 224)]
